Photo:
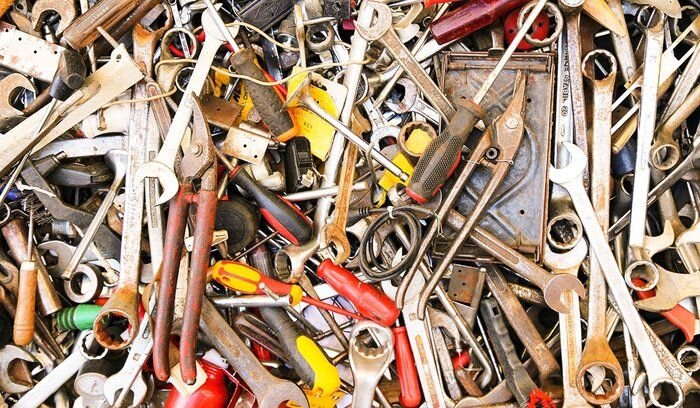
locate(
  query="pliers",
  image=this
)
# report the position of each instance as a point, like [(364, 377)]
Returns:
[(198, 164)]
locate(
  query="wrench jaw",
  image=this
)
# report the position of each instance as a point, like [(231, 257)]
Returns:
[(290, 260), (338, 245), (8, 355), (555, 289), (165, 175), (66, 11), (573, 171)]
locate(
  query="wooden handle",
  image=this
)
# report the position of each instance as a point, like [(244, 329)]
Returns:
[(26, 300)]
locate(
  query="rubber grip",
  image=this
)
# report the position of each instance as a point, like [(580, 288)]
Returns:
[(441, 156), (282, 215), (410, 396), (307, 358), (265, 99)]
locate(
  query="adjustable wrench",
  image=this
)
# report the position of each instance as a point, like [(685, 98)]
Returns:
[(659, 379), (162, 166)]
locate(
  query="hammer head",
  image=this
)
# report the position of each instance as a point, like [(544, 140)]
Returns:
[(574, 170)]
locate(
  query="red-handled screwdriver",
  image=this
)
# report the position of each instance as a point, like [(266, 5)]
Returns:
[(406, 370), (368, 301)]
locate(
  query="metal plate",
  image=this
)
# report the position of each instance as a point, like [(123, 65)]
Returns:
[(518, 211), (27, 54)]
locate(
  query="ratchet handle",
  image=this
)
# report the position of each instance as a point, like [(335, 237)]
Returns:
[(307, 358), (280, 213), (369, 302), (174, 241), (678, 316), (266, 101), (442, 155), (410, 396), (199, 264)]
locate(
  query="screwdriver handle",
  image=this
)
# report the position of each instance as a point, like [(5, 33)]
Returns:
[(471, 17), (246, 279), (441, 156), (284, 216), (307, 358), (265, 99), (410, 396), (23, 331), (368, 301)]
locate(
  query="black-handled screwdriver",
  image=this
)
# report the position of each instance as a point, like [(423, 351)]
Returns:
[(442, 154)]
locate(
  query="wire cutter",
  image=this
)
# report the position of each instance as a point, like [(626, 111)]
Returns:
[(198, 164)]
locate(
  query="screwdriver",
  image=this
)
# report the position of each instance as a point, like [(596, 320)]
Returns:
[(246, 279), (443, 153), (23, 330), (69, 77), (266, 101), (308, 359), (368, 301), (284, 216)]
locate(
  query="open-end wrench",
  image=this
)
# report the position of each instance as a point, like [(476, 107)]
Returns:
[(671, 288), (10, 86), (659, 379), (8, 355), (269, 390), (597, 354), (381, 30), (368, 363), (129, 377), (570, 324), (645, 130), (162, 166), (332, 238), (82, 352)]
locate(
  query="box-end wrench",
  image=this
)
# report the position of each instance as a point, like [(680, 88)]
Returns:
[(269, 390), (368, 363), (597, 355), (659, 379), (162, 166)]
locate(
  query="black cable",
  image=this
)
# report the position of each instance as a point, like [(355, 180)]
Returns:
[(369, 262)]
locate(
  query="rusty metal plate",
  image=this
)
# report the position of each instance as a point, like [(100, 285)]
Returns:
[(518, 210), (28, 55)]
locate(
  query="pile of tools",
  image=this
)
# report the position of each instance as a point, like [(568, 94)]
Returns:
[(319, 203)]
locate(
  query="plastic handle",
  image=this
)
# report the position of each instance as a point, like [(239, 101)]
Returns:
[(471, 17), (281, 214), (678, 316), (406, 370), (368, 301), (442, 155), (244, 278)]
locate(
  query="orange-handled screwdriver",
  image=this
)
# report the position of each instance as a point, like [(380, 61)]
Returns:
[(246, 279)]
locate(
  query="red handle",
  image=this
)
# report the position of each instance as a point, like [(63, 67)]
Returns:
[(368, 301), (461, 360), (410, 396), (471, 17), (678, 316), (199, 264)]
